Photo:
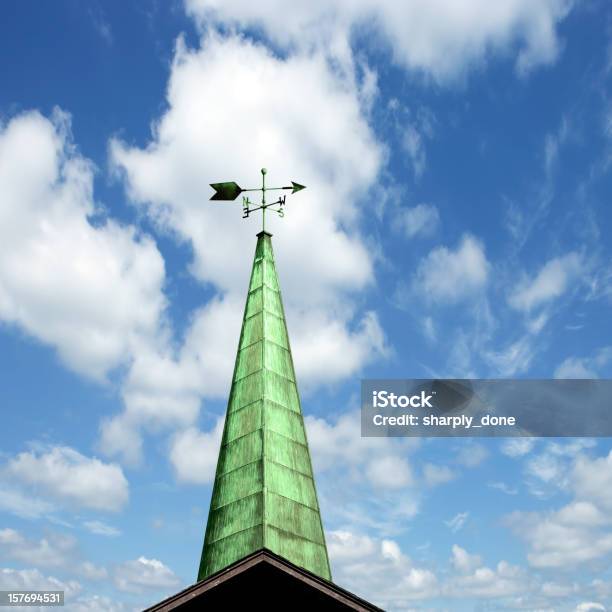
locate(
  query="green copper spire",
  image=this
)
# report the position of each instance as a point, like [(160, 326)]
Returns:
[(264, 493)]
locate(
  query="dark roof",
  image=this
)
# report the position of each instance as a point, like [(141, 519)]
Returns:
[(264, 580)]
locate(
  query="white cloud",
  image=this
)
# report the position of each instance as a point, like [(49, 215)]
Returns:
[(441, 39), (589, 606), (144, 574), (517, 447), (571, 447), (390, 472), (201, 366), (33, 580), (547, 468), (377, 569), (458, 521), (22, 504), (98, 603), (463, 561), (54, 550), (57, 270), (340, 454), (318, 246), (561, 539), (574, 367), (194, 454), (550, 471), (347, 546), (120, 436), (513, 359), (68, 477), (552, 281), (584, 367), (555, 589), (412, 142), (422, 219), (337, 155), (536, 325), (503, 487), (471, 454), (553, 143), (503, 581), (101, 528), (340, 445), (325, 349), (90, 571), (435, 475), (448, 276), (581, 513), (429, 329), (579, 532), (100, 24), (468, 343), (592, 480), (164, 386)]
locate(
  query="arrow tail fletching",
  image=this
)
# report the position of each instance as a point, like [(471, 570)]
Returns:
[(226, 191)]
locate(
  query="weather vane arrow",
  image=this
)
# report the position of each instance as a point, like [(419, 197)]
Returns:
[(231, 190)]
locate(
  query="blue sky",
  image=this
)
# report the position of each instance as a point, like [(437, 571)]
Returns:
[(456, 224)]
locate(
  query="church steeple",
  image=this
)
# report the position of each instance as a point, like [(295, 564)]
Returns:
[(264, 493)]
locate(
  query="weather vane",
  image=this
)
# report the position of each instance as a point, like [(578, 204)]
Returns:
[(230, 191)]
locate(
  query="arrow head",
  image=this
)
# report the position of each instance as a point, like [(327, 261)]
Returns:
[(297, 187), (226, 191)]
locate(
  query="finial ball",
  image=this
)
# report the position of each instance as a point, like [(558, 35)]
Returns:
[(263, 171)]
